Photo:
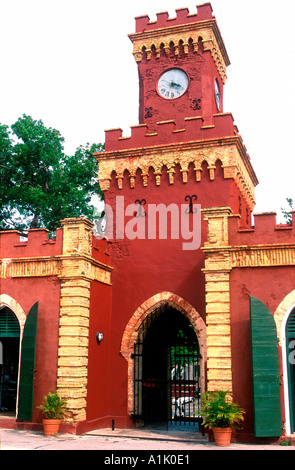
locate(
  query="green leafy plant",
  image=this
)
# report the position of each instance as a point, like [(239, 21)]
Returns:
[(287, 442), (53, 406), (219, 411)]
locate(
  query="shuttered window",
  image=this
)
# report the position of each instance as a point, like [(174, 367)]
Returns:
[(265, 371), (9, 325), (290, 346), (290, 327)]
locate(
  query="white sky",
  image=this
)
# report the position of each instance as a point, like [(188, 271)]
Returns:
[(70, 64)]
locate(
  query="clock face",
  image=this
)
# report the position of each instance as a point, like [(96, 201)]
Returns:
[(172, 84), (217, 95)]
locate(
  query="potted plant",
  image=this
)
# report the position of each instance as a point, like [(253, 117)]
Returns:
[(54, 409), (221, 415)]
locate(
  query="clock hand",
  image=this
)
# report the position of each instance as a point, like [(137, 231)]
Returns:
[(173, 84), (176, 85), (164, 80)]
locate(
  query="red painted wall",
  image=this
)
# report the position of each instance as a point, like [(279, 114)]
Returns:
[(46, 290), (143, 268), (99, 371)]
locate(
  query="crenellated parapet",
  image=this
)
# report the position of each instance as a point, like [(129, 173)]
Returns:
[(143, 23), (170, 147), (37, 255), (167, 133), (184, 30), (14, 244), (265, 244)]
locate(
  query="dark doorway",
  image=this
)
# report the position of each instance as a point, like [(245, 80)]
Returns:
[(166, 370), (9, 360)]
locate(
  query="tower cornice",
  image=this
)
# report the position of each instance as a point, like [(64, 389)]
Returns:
[(230, 151), (207, 30)]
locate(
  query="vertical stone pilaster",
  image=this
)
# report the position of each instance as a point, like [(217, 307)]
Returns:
[(217, 271), (74, 316)]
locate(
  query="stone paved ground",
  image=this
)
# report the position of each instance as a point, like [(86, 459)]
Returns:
[(109, 442)]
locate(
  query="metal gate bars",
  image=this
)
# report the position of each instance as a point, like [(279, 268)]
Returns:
[(166, 370)]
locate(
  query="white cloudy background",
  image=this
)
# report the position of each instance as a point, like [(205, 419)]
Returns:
[(70, 63)]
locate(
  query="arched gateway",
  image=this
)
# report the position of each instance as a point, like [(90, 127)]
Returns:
[(165, 346)]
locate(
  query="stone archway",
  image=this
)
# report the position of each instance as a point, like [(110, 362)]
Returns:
[(7, 301), (133, 327), (285, 306), (13, 344)]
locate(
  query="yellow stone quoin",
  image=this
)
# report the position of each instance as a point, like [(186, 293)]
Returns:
[(77, 271)]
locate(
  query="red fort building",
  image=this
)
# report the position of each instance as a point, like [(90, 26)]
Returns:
[(186, 289)]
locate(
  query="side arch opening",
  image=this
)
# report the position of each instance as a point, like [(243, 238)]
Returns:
[(289, 360), (284, 317), (10, 333)]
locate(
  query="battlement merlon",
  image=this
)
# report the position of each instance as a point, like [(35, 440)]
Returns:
[(204, 12), (75, 238), (169, 146), (265, 231), (184, 28), (222, 126), (13, 244), (229, 245)]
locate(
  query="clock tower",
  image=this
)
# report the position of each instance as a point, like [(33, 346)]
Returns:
[(183, 166), (181, 66)]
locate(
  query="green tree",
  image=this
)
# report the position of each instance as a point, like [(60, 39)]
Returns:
[(287, 212), (39, 184)]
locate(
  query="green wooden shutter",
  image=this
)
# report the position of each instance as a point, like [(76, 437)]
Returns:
[(290, 337), (26, 385), (9, 325), (265, 371)]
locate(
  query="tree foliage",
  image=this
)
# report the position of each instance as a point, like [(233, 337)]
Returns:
[(39, 184), (287, 212)]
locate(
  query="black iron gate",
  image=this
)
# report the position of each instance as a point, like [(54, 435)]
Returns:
[(166, 370)]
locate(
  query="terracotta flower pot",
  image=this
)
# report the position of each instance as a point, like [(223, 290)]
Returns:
[(51, 426), (222, 436)]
